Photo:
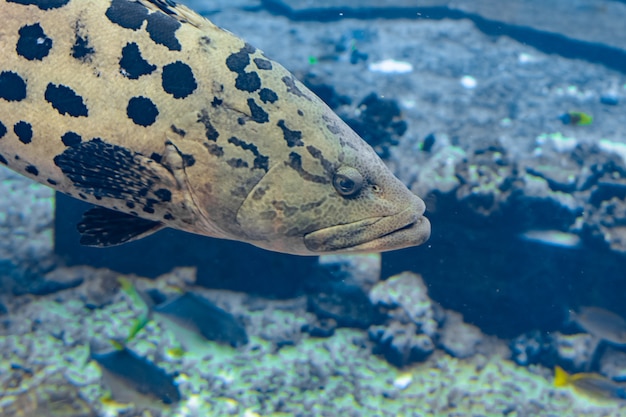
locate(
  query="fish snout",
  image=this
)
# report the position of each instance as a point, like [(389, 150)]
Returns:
[(375, 234)]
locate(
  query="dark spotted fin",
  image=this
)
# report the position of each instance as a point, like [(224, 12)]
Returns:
[(102, 169), (103, 227)]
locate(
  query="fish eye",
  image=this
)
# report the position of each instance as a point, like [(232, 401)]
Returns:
[(347, 181)]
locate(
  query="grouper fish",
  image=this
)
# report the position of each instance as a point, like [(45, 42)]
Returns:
[(161, 119)]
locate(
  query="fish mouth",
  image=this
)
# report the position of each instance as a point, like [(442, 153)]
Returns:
[(375, 234)]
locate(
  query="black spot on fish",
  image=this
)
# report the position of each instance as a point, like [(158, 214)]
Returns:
[(241, 121), (248, 81), (210, 132), (65, 100), (300, 113), (142, 111), (130, 204), (148, 209), (239, 191), (24, 131), (295, 162), (168, 216), (3, 130), (238, 61), (83, 196), (132, 64), (179, 132), (267, 95), (216, 102), (156, 157), (12, 86), (178, 80), (214, 149), (292, 137), (33, 43), (163, 194), (317, 154), (127, 14), (258, 114), (259, 192), (237, 163), (42, 4), (3, 161), (81, 49), (32, 169), (263, 64), (260, 161), (292, 88), (162, 28), (188, 160), (71, 139), (51, 181)]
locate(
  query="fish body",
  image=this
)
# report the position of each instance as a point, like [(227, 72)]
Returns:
[(592, 384), (134, 379), (552, 238), (195, 320), (601, 323), (162, 119), (576, 118)]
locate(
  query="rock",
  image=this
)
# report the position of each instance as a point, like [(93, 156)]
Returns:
[(379, 123), (575, 351), (400, 343), (613, 364), (362, 270), (408, 333), (458, 338), (530, 348), (404, 298), (348, 305), (320, 328)]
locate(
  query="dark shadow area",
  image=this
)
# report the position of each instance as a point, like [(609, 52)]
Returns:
[(507, 285), (221, 264)]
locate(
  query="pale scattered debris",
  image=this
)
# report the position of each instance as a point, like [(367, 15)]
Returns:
[(469, 82), (391, 66)]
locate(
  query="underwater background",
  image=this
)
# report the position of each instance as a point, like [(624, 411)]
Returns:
[(508, 118)]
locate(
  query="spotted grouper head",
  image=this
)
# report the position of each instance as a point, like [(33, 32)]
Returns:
[(332, 194)]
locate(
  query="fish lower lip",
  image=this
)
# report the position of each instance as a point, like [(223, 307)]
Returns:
[(378, 234)]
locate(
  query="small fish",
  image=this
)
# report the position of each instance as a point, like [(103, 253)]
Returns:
[(552, 238), (594, 385), (136, 380), (576, 118), (194, 320), (161, 119), (602, 324)]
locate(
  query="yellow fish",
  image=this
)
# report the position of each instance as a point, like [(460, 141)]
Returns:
[(592, 384)]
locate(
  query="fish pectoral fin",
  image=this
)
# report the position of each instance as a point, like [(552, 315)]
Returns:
[(104, 227)]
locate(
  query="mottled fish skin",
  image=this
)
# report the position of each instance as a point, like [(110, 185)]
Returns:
[(149, 109)]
